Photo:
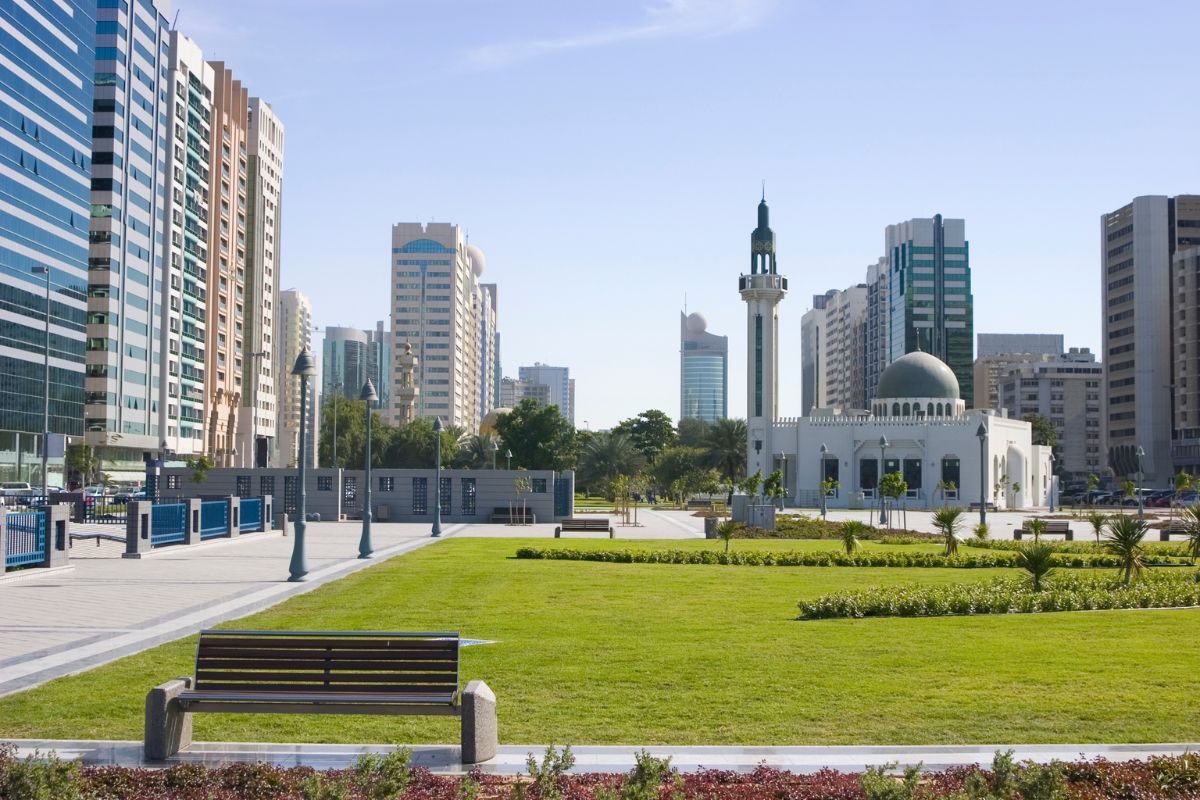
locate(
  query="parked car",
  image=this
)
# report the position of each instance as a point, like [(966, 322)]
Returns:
[(1186, 498), (15, 489), (1160, 498)]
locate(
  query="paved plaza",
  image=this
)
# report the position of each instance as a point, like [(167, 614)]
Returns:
[(103, 607)]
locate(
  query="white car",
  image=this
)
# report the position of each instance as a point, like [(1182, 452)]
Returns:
[(93, 491)]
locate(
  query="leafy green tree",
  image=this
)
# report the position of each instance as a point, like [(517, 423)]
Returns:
[(1183, 482), (726, 445), (538, 436), (945, 487), (751, 484), (651, 431), (893, 486), (412, 446), (1125, 535), (81, 463), (1037, 559), (351, 428), (692, 432), (1037, 527), (773, 485), (1129, 489), (947, 520), (200, 467), (1044, 432), (677, 463), (605, 457), (477, 452)]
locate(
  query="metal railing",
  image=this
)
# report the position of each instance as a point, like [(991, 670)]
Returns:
[(106, 509), (24, 538), (251, 514), (168, 524), (214, 519)]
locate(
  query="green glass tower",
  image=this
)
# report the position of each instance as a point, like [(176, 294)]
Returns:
[(930, 306)]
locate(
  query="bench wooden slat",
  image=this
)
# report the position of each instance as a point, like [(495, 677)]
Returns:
[(291, 706), (318, 664), (298, 643), (318, 688), (363, 655), (332, 677)]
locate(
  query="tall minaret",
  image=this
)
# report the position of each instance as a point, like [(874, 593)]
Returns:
[(762, 290), (407, 394)]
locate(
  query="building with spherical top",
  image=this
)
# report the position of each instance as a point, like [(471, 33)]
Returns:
[(919, 427), (703, 370)]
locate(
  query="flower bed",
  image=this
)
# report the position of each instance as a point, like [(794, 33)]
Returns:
[(390, 776), (823, 558), (1008, 596)]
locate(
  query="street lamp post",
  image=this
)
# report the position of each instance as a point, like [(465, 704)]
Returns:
[(883, 443), (982, 433), (1052, 483), (304, 368), (821, 479), (783, 479), (437, 490), (1140, 476), (495, 449), (364, 542), (508, 459), (46, 392), (337, 389)]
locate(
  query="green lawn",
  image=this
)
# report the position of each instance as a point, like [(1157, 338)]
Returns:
[(595, 653)]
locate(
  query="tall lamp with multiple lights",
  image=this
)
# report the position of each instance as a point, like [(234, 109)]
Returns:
[(437, 491), (982, 433), (364, 543), (883, 444)]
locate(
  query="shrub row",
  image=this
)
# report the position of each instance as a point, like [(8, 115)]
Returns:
[(384, 778), (1008, 596), (821, 558), (1154, 549)]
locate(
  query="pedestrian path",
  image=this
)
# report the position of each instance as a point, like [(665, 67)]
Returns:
[(510, 759), (106, 607)]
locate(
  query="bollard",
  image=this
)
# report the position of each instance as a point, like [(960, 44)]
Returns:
[(137, 528)]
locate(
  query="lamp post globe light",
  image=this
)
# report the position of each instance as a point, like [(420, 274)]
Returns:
[(982, 433), (1141, 453), (437, 489), (782, 479), (41, 270), (495, 450), (304, 368), (508, 459), (883, 444), (364, 543), (1052, 483), (821, 478)]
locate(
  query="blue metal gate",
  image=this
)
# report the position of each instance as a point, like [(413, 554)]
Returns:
[(168, 523), (214, 518), (24, 539), (563, 488), (251, 514)]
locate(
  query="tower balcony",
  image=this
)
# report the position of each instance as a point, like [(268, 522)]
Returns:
[(763, 283)]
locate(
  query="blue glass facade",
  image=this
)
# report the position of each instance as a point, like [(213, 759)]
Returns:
[(703, 371), (46, 88)]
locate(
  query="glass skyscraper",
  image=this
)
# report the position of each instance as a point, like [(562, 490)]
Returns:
[(703, 370), (47, 56), (930, 306)]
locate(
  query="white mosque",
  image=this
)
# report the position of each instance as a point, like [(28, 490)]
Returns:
[(917, 424)]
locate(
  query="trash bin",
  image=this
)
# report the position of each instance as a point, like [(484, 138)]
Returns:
[(856, 500), (710, 527)]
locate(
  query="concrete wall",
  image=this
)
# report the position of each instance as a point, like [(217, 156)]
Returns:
[(493, 489)]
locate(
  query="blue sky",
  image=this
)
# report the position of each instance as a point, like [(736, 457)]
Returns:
[(607, 156)]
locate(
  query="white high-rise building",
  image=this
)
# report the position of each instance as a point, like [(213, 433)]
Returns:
[(438, 305), (294, 335), (762, 290), (262, 366), (560, 386), (830, 348)]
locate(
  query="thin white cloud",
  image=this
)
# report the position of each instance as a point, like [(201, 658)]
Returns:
[(667, 19)]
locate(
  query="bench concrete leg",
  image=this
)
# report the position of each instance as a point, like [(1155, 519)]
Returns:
[(1164, 536), (1017, 535), (1070, 536), (168, 728), (479, 734), (557, 532), (611, 535)]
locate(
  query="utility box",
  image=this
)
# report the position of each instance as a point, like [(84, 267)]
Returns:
[(383, 512), (856, 500), (710, 527)]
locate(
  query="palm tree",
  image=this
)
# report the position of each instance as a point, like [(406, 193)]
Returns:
[(1098, 520), (1038, 560), (849, 532), (947, 521), (477, 452), (606, 456), (1037, 527), (726, 444), (1191, 518), (1125, 534), (726, 530)]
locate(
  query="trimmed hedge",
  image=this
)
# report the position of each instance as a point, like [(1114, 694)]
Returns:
[(824, 558), (1008, 596), (1160, 552)]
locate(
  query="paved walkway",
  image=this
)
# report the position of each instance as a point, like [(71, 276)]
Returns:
[(510, 759)]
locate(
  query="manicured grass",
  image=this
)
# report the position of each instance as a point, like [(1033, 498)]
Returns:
[(595, 653)]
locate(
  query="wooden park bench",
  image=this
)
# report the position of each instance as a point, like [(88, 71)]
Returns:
[(1175, 527), (307, 672), (513, 516), (1054, 527), (584, 524)]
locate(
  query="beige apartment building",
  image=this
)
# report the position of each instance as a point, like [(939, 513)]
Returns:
[(293, 334), (438, 307), (261, 367), (1138, 243), (991, 370), (227, 272)]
